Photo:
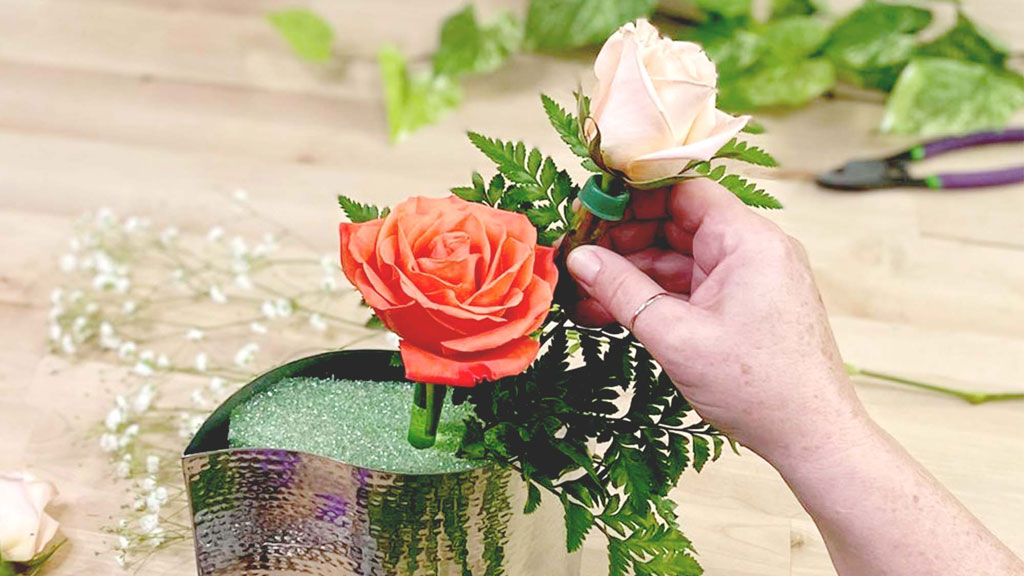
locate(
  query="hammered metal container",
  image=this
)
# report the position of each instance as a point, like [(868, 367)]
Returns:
[(260, 512)]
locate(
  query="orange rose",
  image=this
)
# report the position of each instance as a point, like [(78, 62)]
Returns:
[(464, 285)]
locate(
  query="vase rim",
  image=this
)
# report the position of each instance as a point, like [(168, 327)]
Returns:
[(212, 436)]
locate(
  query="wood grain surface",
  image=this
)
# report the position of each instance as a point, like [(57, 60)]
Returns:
[(162, 107)]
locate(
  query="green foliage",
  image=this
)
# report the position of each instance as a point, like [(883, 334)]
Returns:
[(413, 101), (739, 150), (356, 212), (965, 42), (570, 129), (542, 423), (527, 182), (469, 47), (726, 9), (784, 8), (940, 96), (793, 38), (784, 84), (309, 35), (562, 24), (746, 191), (872, 44)]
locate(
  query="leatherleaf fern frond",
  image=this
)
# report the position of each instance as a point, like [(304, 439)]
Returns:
[(542, 423)]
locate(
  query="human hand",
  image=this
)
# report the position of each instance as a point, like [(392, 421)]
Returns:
[(745, 336)]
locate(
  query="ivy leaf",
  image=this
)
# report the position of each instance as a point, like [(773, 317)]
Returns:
[(468, 47), (784, 8), (357, 213), (413, 101), (726, 9), (779, 85), (872, 44), (936, 96), (794, 38), (966, 42), (561, 24), (309, 35), (578, 521)]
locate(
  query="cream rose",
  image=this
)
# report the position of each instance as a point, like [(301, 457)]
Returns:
[(655, 104), (25, 528)]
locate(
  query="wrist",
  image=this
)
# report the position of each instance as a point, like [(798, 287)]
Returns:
[(835, 433)]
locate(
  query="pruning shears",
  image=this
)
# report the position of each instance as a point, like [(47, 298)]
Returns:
[(891, 172)]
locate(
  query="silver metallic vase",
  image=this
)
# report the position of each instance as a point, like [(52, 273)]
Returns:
[(263, 512)]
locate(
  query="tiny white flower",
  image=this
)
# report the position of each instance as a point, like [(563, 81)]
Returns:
[(131, 431), (329, 284), (122, 523), (143, 369), (153, 504), (152, 464), (163, 362), (198, 399), (68, 345), (392, 339), (215, 234), (123, 469), (194, 424), (168, 236), (108, 442), (68, 263), (244, 282), (202, 362), (128, 307), (268, 309), (258, 328), (105, 217), (122, 542), (143, 399), (122, 285), (147, 356), (246, 354), (284, 307), (76, 296), (121, 559), (139, 504), (317, 322), (127, 350), (92, 308), (239, 247), (149, 484), (328, 263), (194, 334), (217, 295), (56, 296), (216, 384), (55, 332), (178, 275), (241, 195), (149, 523), (132, 224)]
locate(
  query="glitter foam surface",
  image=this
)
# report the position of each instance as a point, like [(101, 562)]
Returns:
[(360, 423)]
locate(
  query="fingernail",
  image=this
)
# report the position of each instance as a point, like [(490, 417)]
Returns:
[(584, 264)]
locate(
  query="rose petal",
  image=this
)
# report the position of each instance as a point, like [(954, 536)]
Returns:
[(523, 319), (630, 120), (684, 101), (468, 369), (669, 162)]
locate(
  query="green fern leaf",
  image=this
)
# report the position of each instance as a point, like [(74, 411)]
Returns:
[(738, 150), (357, 213)]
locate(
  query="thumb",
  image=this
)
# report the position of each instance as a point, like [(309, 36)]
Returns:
[(622, 288)]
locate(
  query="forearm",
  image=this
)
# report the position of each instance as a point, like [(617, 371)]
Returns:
[(882, 514)]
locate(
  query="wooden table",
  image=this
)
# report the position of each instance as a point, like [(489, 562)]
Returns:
[(161, 107)]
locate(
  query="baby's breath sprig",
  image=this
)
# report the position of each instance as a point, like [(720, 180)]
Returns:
[(190, 318)]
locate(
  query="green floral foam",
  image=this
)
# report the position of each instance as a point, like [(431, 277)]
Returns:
[(364, 424)]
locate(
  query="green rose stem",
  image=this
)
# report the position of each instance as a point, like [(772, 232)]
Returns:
[(590, 227), (6, 569), (970, 397), (427, 401)]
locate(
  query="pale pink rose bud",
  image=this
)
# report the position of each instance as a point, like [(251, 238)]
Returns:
[(25, 528), (655, 104)]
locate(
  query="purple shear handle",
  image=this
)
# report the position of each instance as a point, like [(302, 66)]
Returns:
[(977, 139), (981, 179)]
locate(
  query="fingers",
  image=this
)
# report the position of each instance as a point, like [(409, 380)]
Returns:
[(703, 204), (634, 236), (620, 288)]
